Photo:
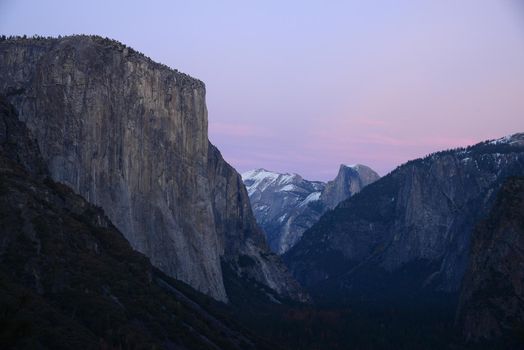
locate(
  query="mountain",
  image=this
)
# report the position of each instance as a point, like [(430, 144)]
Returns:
[(130, 136), (285, 205), (350, 179), (70, 280), (408, 234), (492, 294)]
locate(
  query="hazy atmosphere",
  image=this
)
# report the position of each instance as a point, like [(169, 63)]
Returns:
[(365, 190), (302, 86)]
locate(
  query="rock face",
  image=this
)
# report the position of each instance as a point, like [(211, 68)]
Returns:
[(350, 180), (130, 135), (17, 144), (492, 298), (408, 232), (70, 280), (285, 205)]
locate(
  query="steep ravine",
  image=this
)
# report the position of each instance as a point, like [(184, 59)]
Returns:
[(130, 135)]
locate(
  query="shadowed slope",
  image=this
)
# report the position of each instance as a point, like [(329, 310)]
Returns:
[(69, 279)]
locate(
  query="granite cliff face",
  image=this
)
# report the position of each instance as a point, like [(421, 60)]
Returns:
[(130, 135), (285, 205), (408, 232), (492, 297), (17, 144), (70, 280), (350, 180)]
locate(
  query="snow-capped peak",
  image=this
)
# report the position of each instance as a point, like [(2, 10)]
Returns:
[(509, 139), (259, 174), (260, 179)]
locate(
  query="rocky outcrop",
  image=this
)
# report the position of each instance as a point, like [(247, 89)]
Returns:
[(285, 205), (70, 280), (350, 180), (410, 231), (130, 135), (492, 297)]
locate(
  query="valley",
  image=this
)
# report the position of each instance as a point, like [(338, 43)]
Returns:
[(123, 226)]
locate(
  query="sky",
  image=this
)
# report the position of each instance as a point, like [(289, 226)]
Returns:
[(303, 86)]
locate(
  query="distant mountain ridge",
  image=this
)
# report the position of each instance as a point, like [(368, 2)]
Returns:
[(409, 232), (285, 205)]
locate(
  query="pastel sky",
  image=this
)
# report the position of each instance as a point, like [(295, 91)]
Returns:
[(302, 86)]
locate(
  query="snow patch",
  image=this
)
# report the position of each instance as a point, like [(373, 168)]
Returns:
[(288, 188), (315, 196), (505, 139), (285, 178), (282, 218), (260, 179), (259, 175)]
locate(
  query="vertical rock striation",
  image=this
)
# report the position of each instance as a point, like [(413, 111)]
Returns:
[(70, 280), (350, 180), (130, 135)]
